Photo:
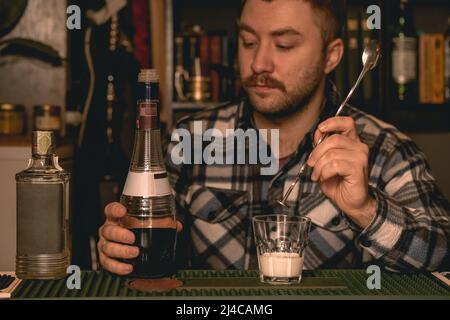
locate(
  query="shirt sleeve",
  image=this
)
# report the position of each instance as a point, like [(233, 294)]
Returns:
[(411, 227)]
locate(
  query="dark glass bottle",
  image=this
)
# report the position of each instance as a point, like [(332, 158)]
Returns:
[(404, 55), (147, 194)]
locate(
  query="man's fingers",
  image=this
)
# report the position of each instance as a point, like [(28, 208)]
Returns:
[(114, 211), (117, 234), (114, 266), (334, 168), (342, 125), (115, 250), (336, 141), (355, 157)]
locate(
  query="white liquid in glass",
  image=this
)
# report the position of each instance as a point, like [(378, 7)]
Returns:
[(281, 264)]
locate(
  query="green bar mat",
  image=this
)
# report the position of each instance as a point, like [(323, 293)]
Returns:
[(319, 284), (254, 282)]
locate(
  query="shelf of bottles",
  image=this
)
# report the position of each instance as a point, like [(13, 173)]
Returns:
[(411, 87), (417, 41)]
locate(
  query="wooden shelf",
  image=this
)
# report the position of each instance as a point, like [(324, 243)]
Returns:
[(192, 105)]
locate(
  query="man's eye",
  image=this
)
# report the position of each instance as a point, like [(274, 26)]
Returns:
[(248, 44), (284, 47)]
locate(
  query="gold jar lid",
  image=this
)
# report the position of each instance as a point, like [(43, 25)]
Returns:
[(11, 107), (48, 108)]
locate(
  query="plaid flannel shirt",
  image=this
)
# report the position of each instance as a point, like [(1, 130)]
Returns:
[(411, 228)]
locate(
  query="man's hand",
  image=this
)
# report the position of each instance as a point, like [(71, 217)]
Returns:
[(340, 164), (115, 242)]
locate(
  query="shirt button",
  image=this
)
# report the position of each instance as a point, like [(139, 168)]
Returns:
[(366, 243), (336, 221), (211, 216)]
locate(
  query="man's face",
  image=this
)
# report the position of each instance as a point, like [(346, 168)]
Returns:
[(281, 56)]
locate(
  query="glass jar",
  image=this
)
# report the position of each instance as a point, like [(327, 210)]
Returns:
[(12, 119), (47, 118)]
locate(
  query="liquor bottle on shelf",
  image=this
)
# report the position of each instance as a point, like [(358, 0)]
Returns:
[(147, 194), (404, 56), (43, 228), (447, 63)]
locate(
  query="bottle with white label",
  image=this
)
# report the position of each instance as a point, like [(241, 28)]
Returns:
[(404, 56), (147, 194)]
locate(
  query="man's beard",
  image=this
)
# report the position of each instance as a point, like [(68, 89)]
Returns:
[(286, 103)]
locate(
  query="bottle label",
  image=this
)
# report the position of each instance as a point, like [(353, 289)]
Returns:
[(43, 143), (147, 184), (40, 218), (148, 117), (404, 57)]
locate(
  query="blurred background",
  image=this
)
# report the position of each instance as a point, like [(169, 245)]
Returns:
[(80, 83)]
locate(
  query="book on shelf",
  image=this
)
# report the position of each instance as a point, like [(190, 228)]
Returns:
[(204, 54), (431, 69), (215, 62), (214, 51)]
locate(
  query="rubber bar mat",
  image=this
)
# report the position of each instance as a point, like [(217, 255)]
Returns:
[(207, 283)]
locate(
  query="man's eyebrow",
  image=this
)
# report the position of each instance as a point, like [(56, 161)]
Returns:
[(276, 33), (247, 28), (286, 31)]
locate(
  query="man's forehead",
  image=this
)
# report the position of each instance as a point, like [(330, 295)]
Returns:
[(275, 32), (276, 17)]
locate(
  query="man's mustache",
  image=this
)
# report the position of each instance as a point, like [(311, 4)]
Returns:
[(263, 80)]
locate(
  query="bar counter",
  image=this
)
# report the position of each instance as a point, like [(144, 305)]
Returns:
[(232, 284)]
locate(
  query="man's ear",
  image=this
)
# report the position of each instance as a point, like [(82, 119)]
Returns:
[(335, 51)]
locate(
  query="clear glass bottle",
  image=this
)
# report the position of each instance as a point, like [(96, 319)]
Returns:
[(43, 230), (147, 194)]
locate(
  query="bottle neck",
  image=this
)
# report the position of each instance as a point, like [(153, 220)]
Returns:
[(47, 161), (148, 106), (406, 20), (147, 152)]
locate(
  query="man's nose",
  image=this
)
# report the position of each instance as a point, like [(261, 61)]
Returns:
[(262, 61)]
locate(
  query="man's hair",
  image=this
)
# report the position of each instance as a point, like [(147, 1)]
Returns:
[(330, 17)]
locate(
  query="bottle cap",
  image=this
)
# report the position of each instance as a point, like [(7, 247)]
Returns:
[(43, 143), (148, 75)]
